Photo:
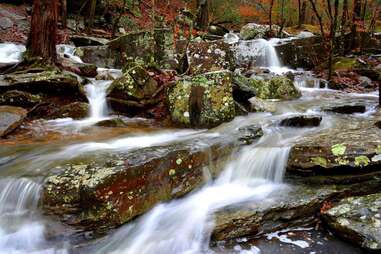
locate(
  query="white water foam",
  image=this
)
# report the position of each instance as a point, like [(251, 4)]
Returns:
[(11, 53)]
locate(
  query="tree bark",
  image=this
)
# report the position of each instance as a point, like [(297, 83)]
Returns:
[(356, 17), (90, 21), (271, 15), (42, 38), (64, 13), (202, 19)]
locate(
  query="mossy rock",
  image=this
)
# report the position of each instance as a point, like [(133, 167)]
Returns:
[(344, 63), (19, 98), (253, 31), (202, 101), (280, 88), (136, 84)]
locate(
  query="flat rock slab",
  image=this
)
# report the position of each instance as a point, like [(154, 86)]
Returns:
[(353, 146), (10, 119), (41, 81), (295, 206), (113, 188), (357, 219)]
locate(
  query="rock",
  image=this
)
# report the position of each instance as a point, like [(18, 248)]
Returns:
[(209, 56), (5, 23), (289, 208), (136, 84), (217, 30), (242, 90), (259, 105), (347, 109), (253, 31), (81, 41), (101, 56), (302, 121), (10, 119), (296, 206), (113, 188), (378, 124), (248, 134), (108, 74), (19, 99), (115, 122), (49, 81), (202, 101), (358, 220), (75, 110), (82, 69), (365, 82), (369, 72), (354, 147)]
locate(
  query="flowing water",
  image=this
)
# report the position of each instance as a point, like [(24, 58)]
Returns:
[(183, 226)]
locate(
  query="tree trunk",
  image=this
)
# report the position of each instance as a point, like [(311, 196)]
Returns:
[(42, 38), (90, 21), (318, 16), (344, 17), (356, 17), (64, 13), (271, 15), (202, 19), (303, 13)]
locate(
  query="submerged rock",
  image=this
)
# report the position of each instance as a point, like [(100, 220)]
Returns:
[(113, 188), (115, 122), (202, 101), (211, 56), (48, 81), (354, 147), (347, 109), (357, 219), (19, 99), (248, 134), (10, 119), (302, 121)]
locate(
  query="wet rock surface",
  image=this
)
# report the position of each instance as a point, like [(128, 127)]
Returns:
[(302, 121), (10, 119), (42, 81), (75, 110), (114, 188), (355, 147), (357, 219), (19, 99), (202, 101), (347, 109)]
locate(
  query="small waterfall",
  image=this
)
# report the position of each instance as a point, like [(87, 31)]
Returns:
[(18, 195), (258, 52), (68, 51), (96, 94), (185, 226), (11, 53)]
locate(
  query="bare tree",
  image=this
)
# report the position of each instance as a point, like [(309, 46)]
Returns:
[(43, 32), (271, 15), (202, 18)]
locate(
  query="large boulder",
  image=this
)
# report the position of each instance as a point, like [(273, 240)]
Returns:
[(354, 147), (136, 89), (204, 56), (357, 219), (253, 31), (10, 119), (202, 101), (110, 189), (43, 81)]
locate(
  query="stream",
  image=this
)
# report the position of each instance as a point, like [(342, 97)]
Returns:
[(254, 173)]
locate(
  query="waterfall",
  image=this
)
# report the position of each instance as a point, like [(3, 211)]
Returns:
[(96, 94), (185, 226)]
